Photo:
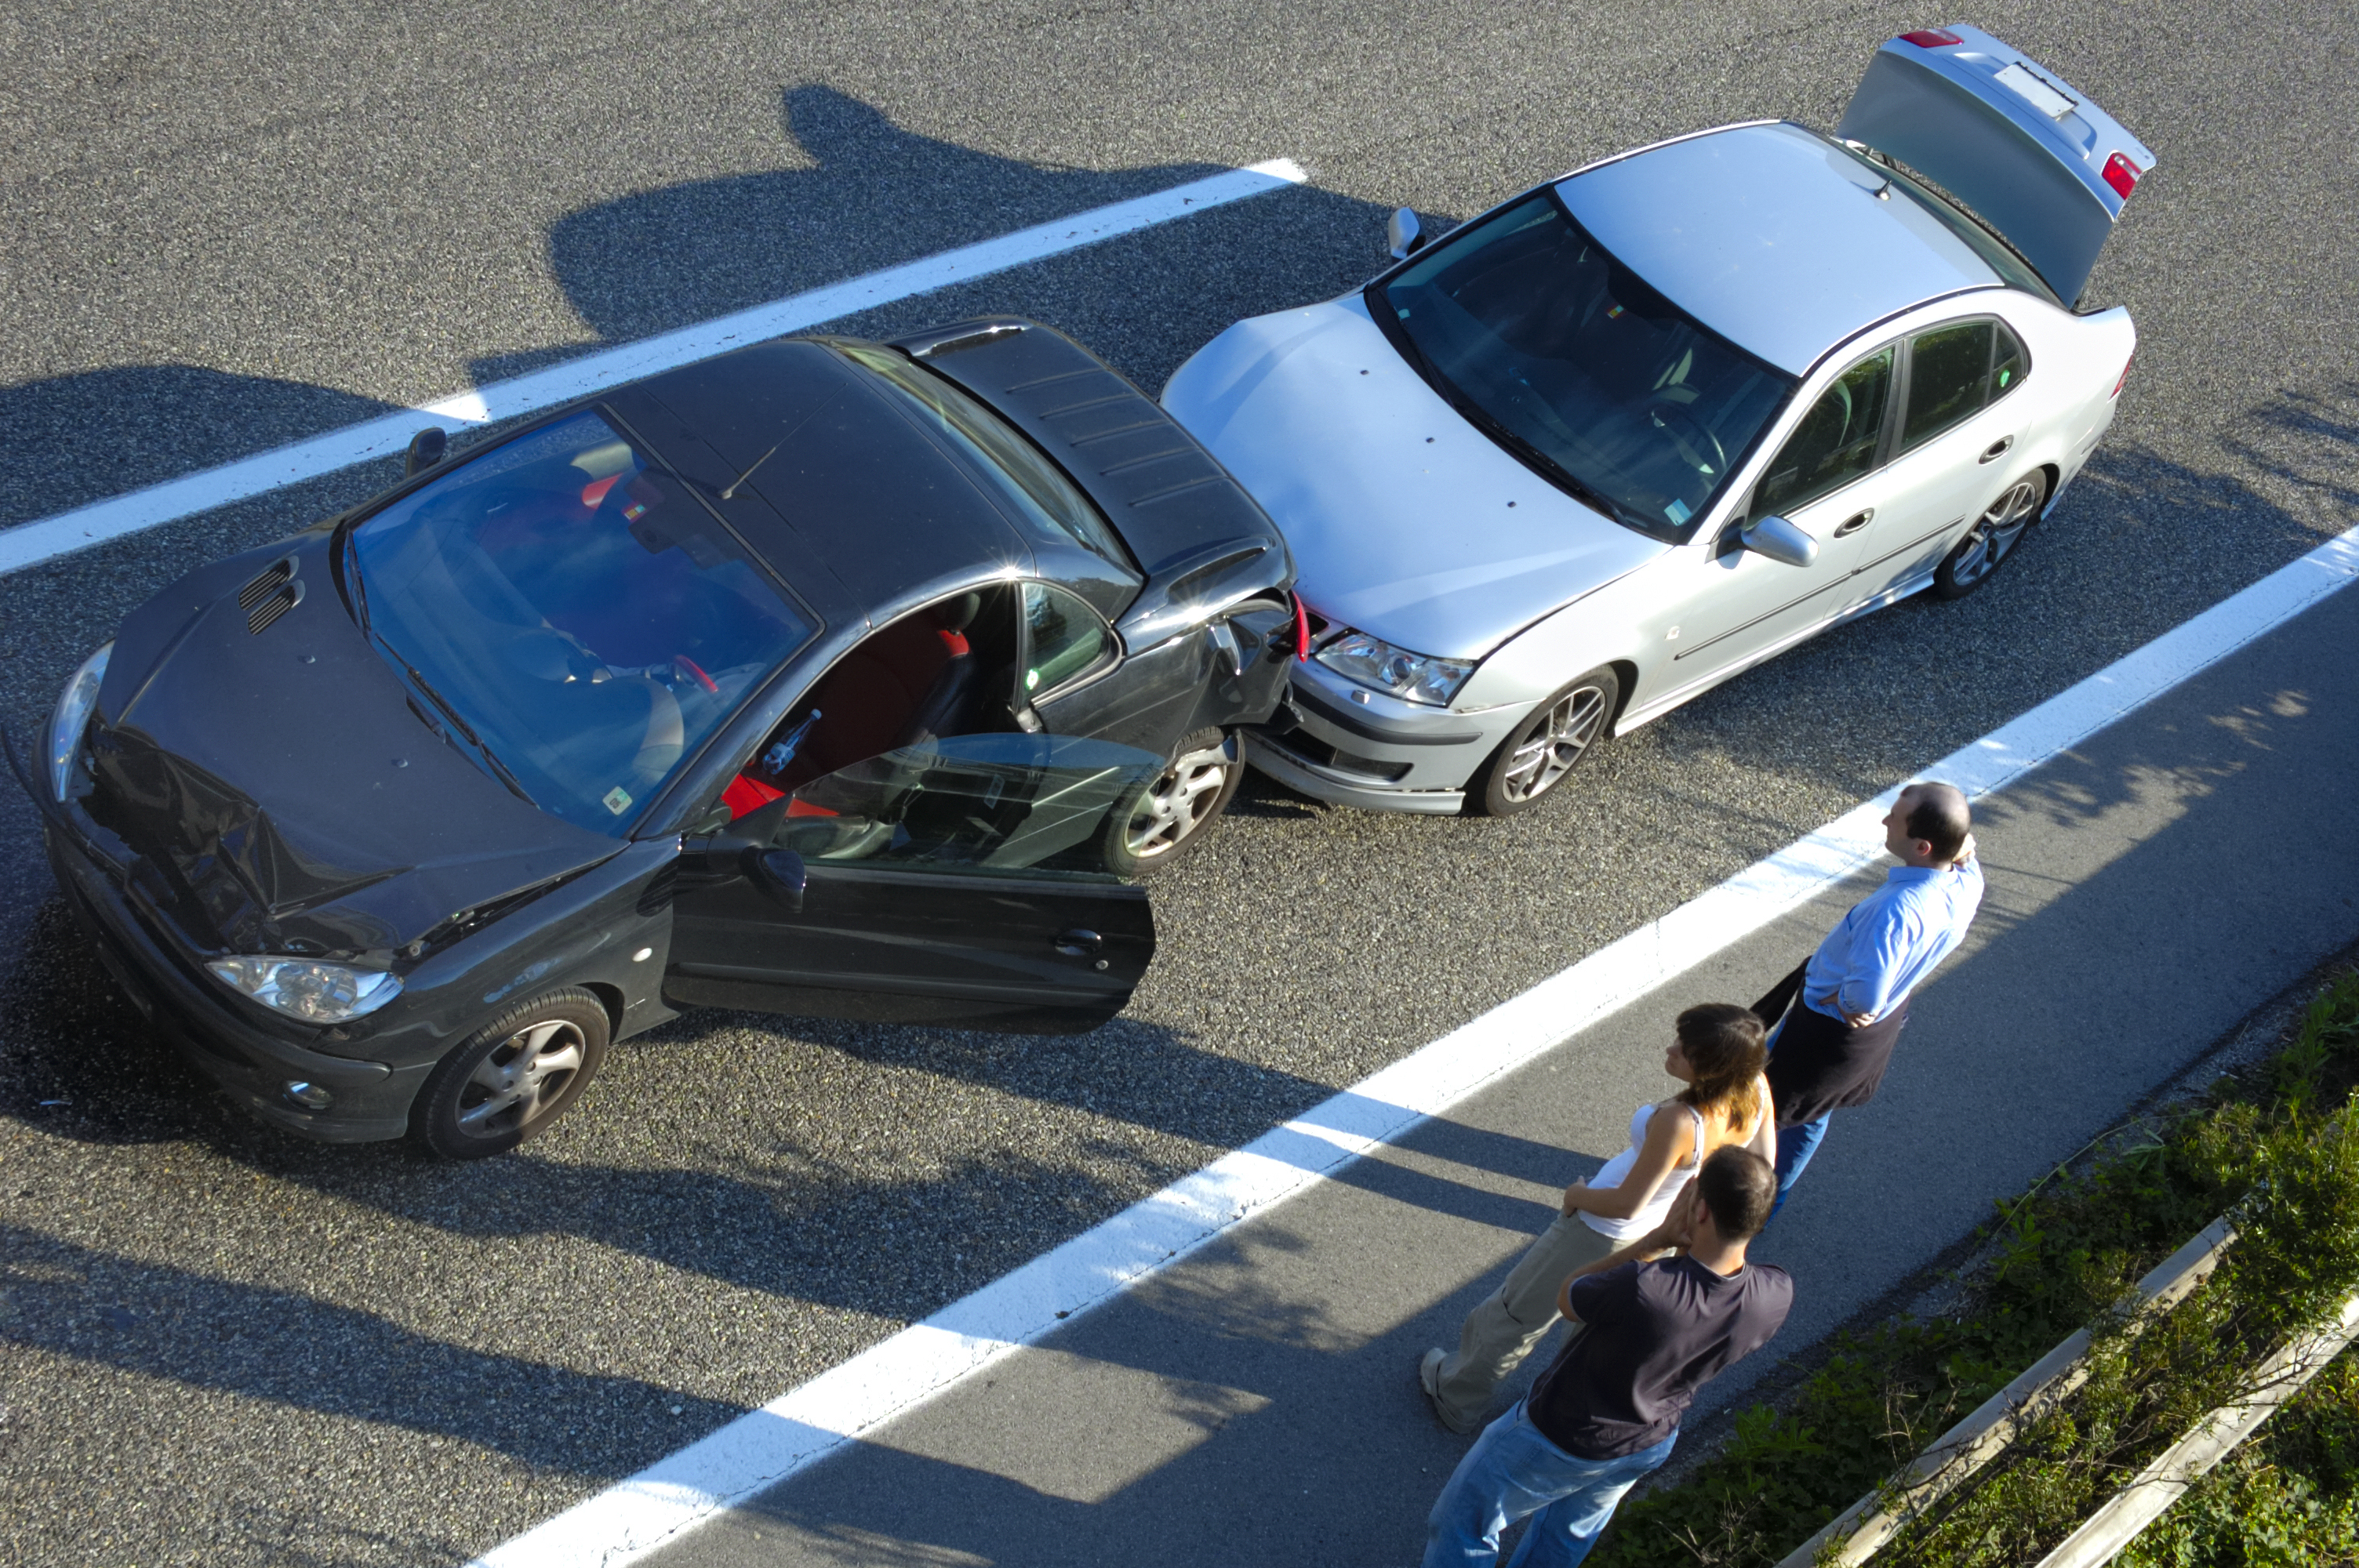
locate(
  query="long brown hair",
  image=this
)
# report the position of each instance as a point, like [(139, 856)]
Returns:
[(1724, 1046)]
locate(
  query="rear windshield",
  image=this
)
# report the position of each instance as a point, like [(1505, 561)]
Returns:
[(1570, 359), (1033, 490), (571, 615), (1956, 217)]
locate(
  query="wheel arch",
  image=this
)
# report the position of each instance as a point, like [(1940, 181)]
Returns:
[(610, 997)]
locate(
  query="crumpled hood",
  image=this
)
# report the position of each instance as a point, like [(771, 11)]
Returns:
[(1406, 521), (278, 790)]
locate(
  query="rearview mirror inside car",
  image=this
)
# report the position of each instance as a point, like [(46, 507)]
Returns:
[(1780, 540), (1403, 233)]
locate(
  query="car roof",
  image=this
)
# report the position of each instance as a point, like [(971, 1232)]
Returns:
[(854, 486), (1772, 237)]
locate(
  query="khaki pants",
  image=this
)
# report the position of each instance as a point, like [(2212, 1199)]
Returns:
[(1501, 1332)]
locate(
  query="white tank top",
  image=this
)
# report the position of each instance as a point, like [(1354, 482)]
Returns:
[(1674, 1181)]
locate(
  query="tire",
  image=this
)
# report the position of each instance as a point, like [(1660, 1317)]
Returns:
[(1992, 538), (1546, 746), (485, 1097), (1171, 815)]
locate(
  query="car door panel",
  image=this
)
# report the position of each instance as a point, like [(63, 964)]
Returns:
[(1737, 605), (1955, 437), (961, 879)]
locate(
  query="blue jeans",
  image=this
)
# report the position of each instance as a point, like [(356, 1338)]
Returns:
[(1796, 1144), (1512, 1472)]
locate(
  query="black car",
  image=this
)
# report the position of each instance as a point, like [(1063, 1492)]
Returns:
[(826, 678)]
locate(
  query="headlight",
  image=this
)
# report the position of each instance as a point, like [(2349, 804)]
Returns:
[(308, 990), (1420, 677), (72, 716)]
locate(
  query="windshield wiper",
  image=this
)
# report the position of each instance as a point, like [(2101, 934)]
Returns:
[(492, 764)]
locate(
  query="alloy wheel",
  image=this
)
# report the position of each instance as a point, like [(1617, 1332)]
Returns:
[(1184, 797), (520, 1078), (1994, 533), (1550, 747)]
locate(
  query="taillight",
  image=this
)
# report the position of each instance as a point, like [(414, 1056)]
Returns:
[(1931, 38), (2123, 380), (2122, 175)]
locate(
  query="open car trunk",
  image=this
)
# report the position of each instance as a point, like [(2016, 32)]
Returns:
[(2033, 158)]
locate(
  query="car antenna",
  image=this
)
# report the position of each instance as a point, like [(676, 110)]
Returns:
[(731, 493)]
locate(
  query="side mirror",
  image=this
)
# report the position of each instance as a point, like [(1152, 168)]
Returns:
[(426, 450), (1780, 540), (1403, 233), (781, 874)]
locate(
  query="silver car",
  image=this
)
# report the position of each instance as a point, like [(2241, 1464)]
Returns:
[(1643, 427)]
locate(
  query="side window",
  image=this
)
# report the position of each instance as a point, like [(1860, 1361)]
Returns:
[(1835, 442), (2009, 364), (1064, 639), (1949, 378)]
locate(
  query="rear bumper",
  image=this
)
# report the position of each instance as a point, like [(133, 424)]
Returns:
[(252, 1066)]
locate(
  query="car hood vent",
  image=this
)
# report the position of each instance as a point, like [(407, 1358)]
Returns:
[(270, 596)]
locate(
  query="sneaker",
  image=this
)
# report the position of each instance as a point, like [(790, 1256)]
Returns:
[(1428, 1377)]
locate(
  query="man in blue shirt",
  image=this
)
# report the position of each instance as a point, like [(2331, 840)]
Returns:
[(1850, 1001)]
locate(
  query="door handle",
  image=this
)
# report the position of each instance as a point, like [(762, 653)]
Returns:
[(1078, 944), (1854, 524), (1996, 449)]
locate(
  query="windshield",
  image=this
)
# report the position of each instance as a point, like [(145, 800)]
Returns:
[(1566, 358), (573, 613), (1034, 489)]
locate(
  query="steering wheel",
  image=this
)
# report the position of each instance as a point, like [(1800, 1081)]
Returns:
[(694, 668), (1666, 414)]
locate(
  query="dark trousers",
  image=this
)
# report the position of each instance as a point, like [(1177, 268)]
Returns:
[(1817, 1064)]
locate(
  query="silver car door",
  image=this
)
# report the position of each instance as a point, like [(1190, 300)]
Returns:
[(1951, 449), (1739, 605)]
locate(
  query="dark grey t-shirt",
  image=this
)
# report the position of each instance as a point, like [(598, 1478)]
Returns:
[(1653, 1334)]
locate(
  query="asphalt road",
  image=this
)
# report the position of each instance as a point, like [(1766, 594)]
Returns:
[(221, 228)]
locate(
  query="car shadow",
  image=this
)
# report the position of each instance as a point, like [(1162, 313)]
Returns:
[(83, 438)]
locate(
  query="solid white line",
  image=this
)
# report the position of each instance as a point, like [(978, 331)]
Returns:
[(763, 1447), (29, 544)]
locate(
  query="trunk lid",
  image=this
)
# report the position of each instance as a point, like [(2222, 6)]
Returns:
[(2029, 155)]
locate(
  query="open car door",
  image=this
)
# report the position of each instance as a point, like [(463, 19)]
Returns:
[(962, 880)]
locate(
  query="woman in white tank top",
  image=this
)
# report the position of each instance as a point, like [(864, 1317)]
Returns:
[(1632, 1192), (1718, 1053)]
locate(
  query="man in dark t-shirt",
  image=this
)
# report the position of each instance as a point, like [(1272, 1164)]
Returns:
[(1647, 1335)]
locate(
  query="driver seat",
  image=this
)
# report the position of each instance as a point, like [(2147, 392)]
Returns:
[(942, 711)]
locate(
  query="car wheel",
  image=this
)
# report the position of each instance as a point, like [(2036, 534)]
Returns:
[(1178, 805), (512, 1078), (1544, 746), (1993, 536)]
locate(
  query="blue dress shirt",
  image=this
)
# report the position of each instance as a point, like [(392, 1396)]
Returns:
[(1892, 938)]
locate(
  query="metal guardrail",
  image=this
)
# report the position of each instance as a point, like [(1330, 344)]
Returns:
[(1855, 1535), (2162, 1484)]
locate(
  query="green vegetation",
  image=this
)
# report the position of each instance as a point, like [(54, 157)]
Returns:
[(2284, 1143)]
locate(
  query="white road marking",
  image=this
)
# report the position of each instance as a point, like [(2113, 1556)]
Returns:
[(760, 1449), (29, 544)]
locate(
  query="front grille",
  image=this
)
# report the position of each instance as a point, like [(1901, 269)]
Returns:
[(1334, 759)]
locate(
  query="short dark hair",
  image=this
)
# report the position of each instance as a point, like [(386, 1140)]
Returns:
[(1941, 819), (1739, 1188)]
